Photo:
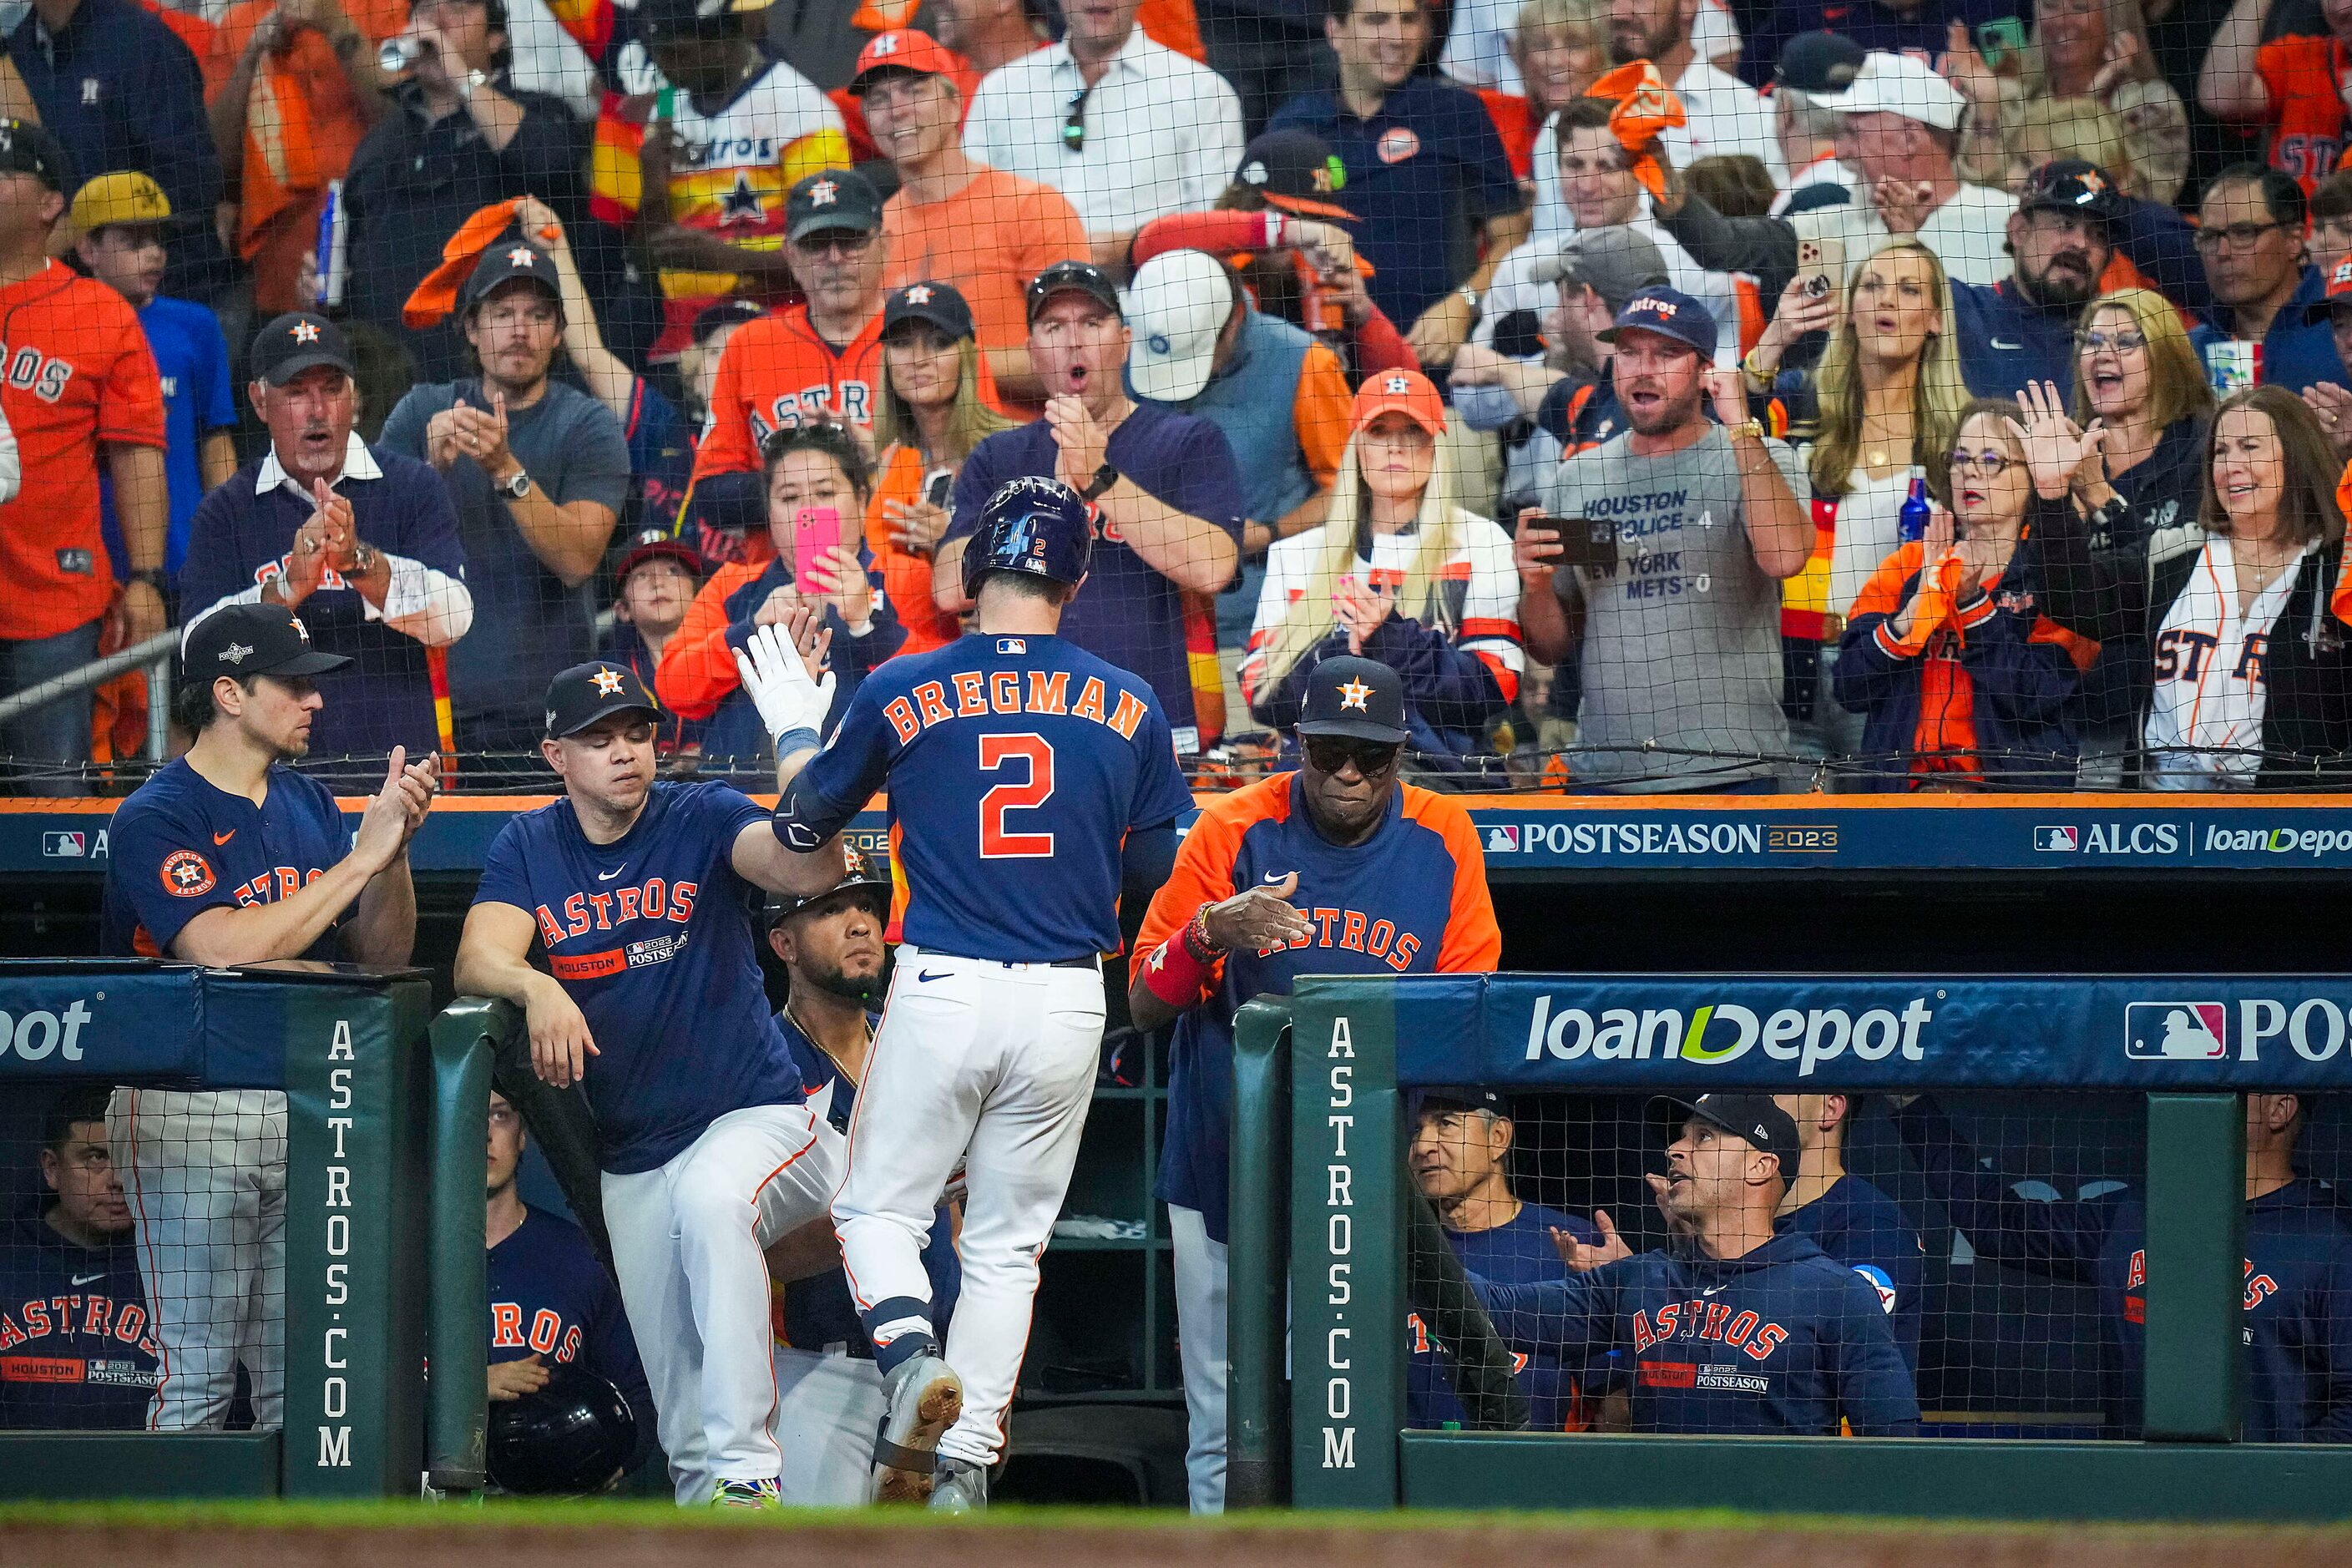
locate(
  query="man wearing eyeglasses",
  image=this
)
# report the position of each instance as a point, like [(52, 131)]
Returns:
[(2251, 234), (818, 361), (1339, 869)]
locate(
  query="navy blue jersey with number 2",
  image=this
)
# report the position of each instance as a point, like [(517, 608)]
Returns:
[(1016, 766)]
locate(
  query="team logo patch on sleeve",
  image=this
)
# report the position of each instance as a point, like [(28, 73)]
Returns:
[(187, 874), (1878, 1280)]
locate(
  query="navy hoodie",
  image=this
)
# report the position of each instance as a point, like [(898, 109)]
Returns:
[(77, 1348)]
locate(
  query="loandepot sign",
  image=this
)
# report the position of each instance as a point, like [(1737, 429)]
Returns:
[(1722, 1032)]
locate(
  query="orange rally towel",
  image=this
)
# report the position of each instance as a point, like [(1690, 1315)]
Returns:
[(1645, 106), (281, 171), (2341, 600), (437, 296)]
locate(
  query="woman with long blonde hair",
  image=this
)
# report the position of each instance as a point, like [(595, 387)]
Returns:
[(1888, 399), (1400, 572), (2096, 50)]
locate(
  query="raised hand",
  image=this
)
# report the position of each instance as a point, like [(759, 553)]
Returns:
[(306, 562), (2332, 406), (1259, 919), (1582, 1257), (384, 826), (2054, 445)]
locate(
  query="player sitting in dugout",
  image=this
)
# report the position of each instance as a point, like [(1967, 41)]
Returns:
[(1732, 1328)]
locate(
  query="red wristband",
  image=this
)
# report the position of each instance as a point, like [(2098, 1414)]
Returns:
[(1173, 975)]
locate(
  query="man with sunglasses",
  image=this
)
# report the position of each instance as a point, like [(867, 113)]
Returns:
[(2251, 234), (1338, 868), (821, 360)]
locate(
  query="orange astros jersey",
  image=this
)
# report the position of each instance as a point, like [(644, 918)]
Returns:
[(79, 374), (775, 373), (2306, 78)]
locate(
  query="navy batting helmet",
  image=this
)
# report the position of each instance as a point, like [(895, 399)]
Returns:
[(1034, 525), (859, 876), (572, 1437)]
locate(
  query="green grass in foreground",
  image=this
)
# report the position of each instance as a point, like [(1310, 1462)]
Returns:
[(656, 1514)]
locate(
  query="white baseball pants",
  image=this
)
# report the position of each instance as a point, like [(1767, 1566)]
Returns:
[(687, 1245), (1201, 1345), (993, 1063), (204, 1175), (828, 1410)]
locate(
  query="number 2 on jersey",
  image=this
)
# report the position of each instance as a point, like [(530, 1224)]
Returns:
[(995, 752)]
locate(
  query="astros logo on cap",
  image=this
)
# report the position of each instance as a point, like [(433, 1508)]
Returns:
[(886, 44), (1355, 694), (608, 683), (520, 255), (920, 294), (2343, 273), (1666, 308), (1396, 386), (304, 332), (821, 194)]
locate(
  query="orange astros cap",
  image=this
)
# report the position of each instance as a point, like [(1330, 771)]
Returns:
[(1405, 392), (908, 49)]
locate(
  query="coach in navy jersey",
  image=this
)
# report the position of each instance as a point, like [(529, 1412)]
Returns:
[(2298, 1297), (830, 1398), (1459, 1154), (1165, 485), (229, 856), (1734, 1327), (637, 891), (1025, 775), (552, 1303), (1850, 1218), (1339, 868), (77, 1349)]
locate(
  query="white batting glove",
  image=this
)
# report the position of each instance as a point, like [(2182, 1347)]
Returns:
[(779, 684)]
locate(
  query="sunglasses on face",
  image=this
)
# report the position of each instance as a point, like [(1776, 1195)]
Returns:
[(1330, 754)]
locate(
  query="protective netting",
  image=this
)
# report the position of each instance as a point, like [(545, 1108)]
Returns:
[(1976, 1263), (143, 1269), (654, 321)]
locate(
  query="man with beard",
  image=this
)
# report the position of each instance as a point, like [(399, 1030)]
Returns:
[(1680, 640), (829, 1395), (2251, 234), (2022, 329), (539, 471), (1732, 1327)]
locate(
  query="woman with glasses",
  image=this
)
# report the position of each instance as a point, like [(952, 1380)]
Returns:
[(1963, 681), (1401, 574), (928, 418), (2250, 683), (813, 473), (1889, 392)]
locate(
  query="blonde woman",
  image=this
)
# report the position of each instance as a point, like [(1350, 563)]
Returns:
[(2048, 129), (1888, 395), (2094, 49), (1400, 572)]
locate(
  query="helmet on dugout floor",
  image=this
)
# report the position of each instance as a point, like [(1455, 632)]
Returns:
[(572, 1437), (1034, 525)]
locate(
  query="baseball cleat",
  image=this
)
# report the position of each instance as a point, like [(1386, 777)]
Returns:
[(747, 1494), (926, 1396), (960, 1487)]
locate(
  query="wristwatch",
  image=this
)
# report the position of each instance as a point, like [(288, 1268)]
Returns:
[(364, 557), (517, 487), (470, 83), (151, 575), (1105, 477)]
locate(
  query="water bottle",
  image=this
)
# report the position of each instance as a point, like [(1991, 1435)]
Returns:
[(1911, 525), (334, 248)]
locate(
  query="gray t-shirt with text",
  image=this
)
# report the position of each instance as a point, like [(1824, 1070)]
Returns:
[(1682, 642)]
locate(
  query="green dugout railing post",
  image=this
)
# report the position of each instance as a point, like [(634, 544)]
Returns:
[(2196, 1356), (1258, 1273), (465, 1038)]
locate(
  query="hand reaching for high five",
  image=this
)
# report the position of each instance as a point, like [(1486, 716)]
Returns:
[(776, 673), (1581, 1257)]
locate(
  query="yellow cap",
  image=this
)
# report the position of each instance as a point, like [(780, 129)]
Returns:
[(122, 197)]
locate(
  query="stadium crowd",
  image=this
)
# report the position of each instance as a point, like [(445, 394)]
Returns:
[(1577, 361)]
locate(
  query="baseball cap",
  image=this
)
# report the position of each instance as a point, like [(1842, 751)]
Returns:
[(1074, 277), (251, 639), (506, 262), (1818, 63), (1405, 392), (29, 148), (652, 543), (294, 343), (1295, 171), (908, 49), (860, 875), (1458, 1097), (585, 693), (832, 199), (1357, 699), (1618, 261), (1671, 313), (1897, 84), (662, 21), (2074, 185), (940, 305), (724, 313), (1178, 304), (1766, 1127), (124, 196), (2339, 293)]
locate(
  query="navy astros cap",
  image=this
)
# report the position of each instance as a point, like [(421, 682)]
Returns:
[(508, 261), (1767, 1128), (1074, 277), (1359, 698), (829, 201), (936, 304), (244, 640), (1818, 63), (585, 693), (1442, 1098), (2074, 185), (1669, 312), (296, 341)]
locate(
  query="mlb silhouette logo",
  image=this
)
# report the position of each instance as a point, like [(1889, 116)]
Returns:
[(1503, 841), (64, 845), (2057, 840), (2175, 1031)]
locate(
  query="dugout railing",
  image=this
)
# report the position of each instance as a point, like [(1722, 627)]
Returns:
[(1318, 1252), (347, 1046)]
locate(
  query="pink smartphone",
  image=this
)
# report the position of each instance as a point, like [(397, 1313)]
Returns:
[(816, 531)]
